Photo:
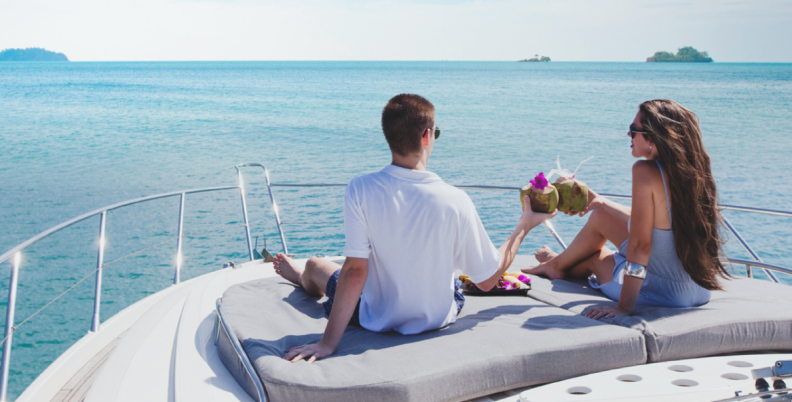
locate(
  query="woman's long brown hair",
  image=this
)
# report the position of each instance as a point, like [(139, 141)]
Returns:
[(694, 199)]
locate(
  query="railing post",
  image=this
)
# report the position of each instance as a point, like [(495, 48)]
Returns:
[(748, 271), (272, 200), (177, 274), (9, 327), (245, 214), (747, 247), (99, 263), (555, 234), (275, 210)]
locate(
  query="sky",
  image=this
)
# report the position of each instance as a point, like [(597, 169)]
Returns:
[(565, 30)]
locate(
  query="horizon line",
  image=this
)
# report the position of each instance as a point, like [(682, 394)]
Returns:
[(396, 61)]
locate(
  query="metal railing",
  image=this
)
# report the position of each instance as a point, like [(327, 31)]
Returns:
[(15, 252)]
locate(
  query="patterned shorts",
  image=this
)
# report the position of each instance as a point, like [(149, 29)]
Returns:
[(332, 283)]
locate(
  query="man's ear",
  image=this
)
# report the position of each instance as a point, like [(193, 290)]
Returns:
[(425, 137)]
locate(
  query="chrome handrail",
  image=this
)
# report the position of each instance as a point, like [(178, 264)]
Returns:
[(272, 200), (758, 264), (747, 248), (57, 228), (95, 321)]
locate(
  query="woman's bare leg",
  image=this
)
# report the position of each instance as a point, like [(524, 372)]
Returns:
[(600, 264), (600, 228)]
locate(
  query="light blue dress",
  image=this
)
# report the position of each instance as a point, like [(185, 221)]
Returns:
[(667, 283)]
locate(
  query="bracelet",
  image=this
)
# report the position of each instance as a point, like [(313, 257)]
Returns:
[(635, 270)]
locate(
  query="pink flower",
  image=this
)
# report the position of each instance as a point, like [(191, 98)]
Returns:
[(539, 182), (524, 279)]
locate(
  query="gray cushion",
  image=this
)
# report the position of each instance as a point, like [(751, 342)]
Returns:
[(750, 315), (498, 343)]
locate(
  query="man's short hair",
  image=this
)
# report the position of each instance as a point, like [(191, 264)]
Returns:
[(404, 120)]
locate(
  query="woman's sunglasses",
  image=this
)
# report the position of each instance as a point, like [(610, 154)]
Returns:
[(633, 131)]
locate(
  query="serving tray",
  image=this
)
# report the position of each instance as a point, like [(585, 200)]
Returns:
[(523, 291)]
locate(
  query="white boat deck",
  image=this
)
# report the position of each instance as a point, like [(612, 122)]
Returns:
[(129, 359)]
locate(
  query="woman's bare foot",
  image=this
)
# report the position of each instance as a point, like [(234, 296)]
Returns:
[(285, 267), (545, 254), (546, 266), (545, 269)]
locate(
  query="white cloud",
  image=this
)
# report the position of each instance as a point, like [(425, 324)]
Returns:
[(606, 30)]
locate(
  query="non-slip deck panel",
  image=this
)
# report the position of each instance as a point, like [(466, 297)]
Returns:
[(498, 343), (750, 315)]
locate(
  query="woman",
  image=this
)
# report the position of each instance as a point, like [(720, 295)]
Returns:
[(670, 249)]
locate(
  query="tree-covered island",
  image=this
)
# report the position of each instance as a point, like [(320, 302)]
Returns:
[(536, 58), (31, 54), (686, 54)]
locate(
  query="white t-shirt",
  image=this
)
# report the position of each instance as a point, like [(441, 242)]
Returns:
[(415, 230)]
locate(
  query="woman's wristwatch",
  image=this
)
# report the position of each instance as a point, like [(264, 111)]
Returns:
[(635, 270)]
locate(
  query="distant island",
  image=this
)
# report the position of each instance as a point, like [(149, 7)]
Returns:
[(536, 58), (686, 54), (31, 54)]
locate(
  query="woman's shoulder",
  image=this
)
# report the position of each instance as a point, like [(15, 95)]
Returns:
[(646, 170)]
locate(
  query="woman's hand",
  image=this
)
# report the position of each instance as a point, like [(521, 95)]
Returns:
[(596, 201), (531, 219), (605, 311)]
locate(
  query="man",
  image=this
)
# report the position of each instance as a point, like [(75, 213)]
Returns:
[(406, 231)]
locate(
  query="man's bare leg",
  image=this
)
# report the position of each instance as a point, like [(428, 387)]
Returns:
[(600, 228), (313, 278)]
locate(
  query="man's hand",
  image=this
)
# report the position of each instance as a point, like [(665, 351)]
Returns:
[(605, 311), (312, 352), (531, 219)]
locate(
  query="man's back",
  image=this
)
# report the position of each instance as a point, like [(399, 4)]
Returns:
[(415, 230)]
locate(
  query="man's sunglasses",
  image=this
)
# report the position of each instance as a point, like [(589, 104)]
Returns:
[(437, 132), (633, 131)]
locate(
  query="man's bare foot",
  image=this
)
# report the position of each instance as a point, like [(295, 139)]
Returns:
[(285, 267), (545, 254), (545, 269)]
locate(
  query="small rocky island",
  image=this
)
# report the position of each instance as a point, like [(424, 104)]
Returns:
[(31, 54), (686, 54), (536, 58)]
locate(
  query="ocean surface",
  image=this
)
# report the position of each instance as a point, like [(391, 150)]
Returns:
[(79, 136)]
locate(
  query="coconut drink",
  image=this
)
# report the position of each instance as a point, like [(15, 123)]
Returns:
[(572, 194), (543, 196)]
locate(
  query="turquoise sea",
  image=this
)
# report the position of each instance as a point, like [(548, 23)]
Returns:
[(79, 136)]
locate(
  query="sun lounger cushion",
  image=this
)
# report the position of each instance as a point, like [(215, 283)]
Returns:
[(750, 315), (498, 343)]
